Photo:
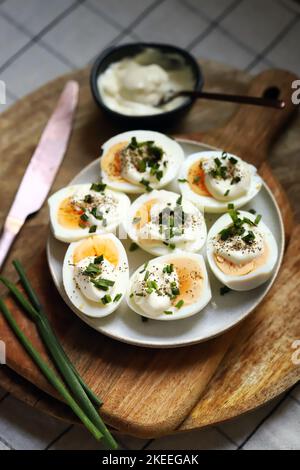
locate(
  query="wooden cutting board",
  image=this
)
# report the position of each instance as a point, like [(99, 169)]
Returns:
[(148, 393)]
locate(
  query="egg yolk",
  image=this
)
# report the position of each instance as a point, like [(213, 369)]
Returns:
[(68, 216), (96, 246), (196, 180), (232, 269), (190, 280), (143, 213), (111, 162)]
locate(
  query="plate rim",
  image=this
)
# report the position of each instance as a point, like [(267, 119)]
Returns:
[(150, 344)]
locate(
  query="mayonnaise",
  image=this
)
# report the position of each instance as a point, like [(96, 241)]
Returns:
[(135, 85)]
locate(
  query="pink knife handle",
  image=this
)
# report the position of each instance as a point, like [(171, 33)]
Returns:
[(6, 240)]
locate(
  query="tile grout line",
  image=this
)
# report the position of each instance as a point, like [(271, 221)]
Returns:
[(213, 23), (60, 435), (289, 8), (223, 433), (7, 444), (35, 39), (275, 41), (268, 415)]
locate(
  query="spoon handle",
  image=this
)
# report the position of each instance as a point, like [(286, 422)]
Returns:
[(243, 99)]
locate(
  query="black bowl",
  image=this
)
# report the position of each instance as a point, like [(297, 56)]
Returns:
[(115, 54)]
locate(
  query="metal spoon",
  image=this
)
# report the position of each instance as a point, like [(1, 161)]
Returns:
[(252, 100)]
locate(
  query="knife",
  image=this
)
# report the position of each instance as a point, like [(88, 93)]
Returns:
[(43, 166)]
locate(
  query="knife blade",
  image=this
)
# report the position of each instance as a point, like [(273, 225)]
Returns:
[(42, 168)]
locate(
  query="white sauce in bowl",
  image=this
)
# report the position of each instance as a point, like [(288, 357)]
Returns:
[(135, 85)]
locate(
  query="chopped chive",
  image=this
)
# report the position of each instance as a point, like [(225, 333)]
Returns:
[(257, 219), (224, 155), (84, 217), (133, 246), (106, 299), (182, 180), (93, 229), (136, 220), (179, 201), (131, 295), (233, 160), (235, 180), (179, 304), (227, 192), (152, 285), (252, 211), (147, 274), (224, 290), (249, 237), (98, 259), (146, 183), (217, 162), (88, 198), (99, 187), (103, 284), (117, 297), (144, 267), (230, 206), (169, 268), (168, 312)]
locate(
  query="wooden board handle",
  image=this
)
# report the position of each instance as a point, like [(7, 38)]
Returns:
[(250, 131)]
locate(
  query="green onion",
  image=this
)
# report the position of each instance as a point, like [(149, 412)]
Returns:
[(49, 373), (146, 183), (252, 211), (37, 305), (99, 259), (179, 201), (233, 160), (102, 284), (58, 356), (168, 312), (99, 187), (182, 180), (84, 217), (257, 219), (117, 297), (179, 304), (106, 299), (93, 229)]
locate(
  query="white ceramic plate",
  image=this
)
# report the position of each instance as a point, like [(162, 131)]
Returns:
[(221, 314)]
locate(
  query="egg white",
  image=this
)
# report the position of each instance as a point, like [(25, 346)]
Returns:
[(68, 235), (210, 204), (161, 249), (174, 155), (253, 279), (76, 297), (184, 311)]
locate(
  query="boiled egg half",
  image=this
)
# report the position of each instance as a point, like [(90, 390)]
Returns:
[(170, 287), (80, 210), (95, 274), (241, 250), (161, 222), (212, 179), (138, 161)]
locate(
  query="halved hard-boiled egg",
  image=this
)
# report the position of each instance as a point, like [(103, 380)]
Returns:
[(162, 222), (95, 274), (212, 179), (170, 287), (80, 210), (139, 161), (241, 250)]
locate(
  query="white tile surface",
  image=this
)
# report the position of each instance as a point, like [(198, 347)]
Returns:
[(257, 23), (287, 53), (34, 15), (124, 12), (239, 428), (281, 431), (200, 440), (81, 35), (23, 427), (11, 40), (218, 46), (211, 9), (36, 66), (171, 22)]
